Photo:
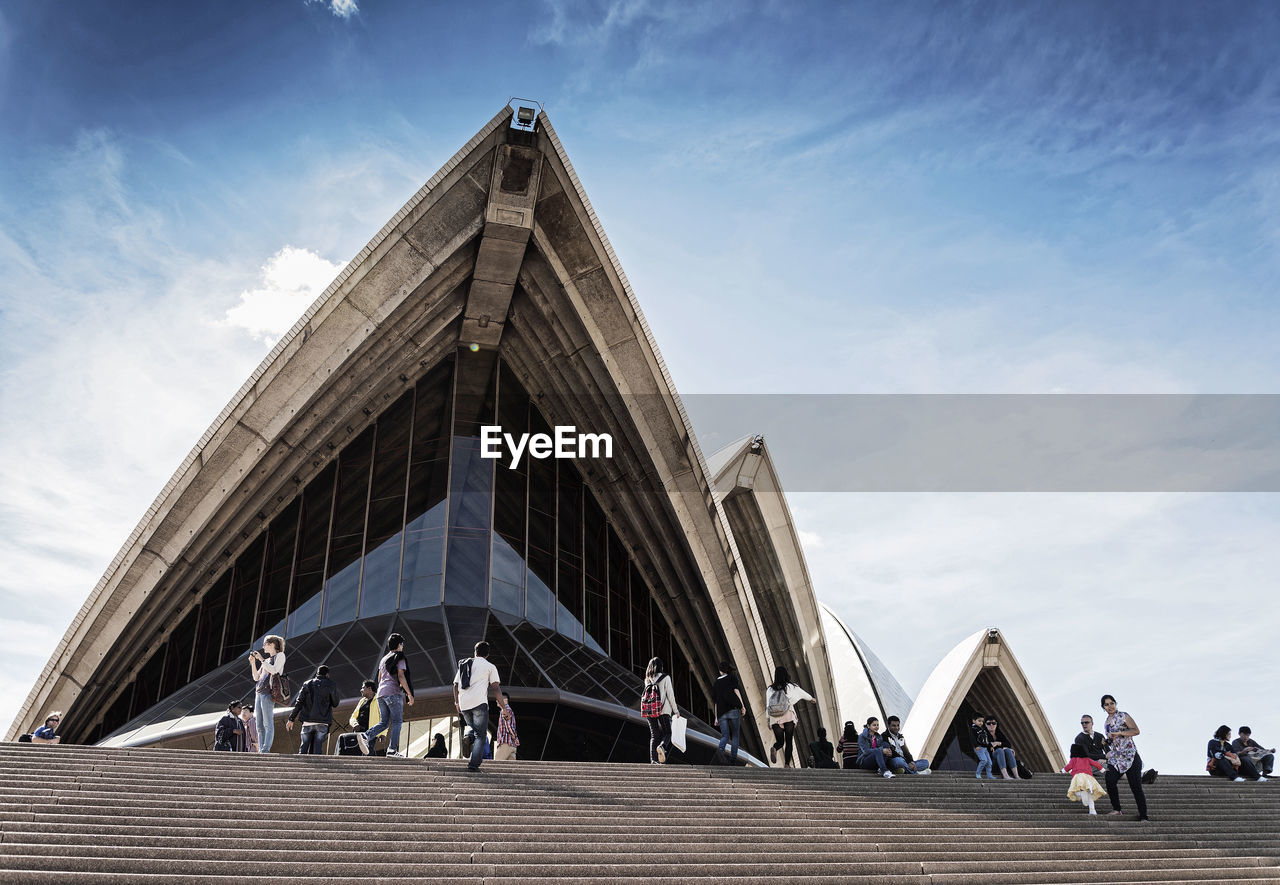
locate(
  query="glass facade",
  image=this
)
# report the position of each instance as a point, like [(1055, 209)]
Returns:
[(406, 522)]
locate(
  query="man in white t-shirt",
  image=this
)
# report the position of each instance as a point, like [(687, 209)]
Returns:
[(472, 699)]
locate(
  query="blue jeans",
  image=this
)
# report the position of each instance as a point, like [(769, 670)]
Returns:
[(874, 759), (313, 740), (264, 717), (478, 719), (731, 724), (984, 763), (1004, 760), (900, 762), (391, 711)]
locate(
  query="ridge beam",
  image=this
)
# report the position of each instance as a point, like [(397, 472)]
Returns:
[(508, 223)]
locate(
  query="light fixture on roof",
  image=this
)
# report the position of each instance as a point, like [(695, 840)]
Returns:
[(526, 112)]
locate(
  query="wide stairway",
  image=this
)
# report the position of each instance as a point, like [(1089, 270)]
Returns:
[(81, 814)]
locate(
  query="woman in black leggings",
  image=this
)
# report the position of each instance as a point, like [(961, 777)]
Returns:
[(1122, 757), (780, 700)]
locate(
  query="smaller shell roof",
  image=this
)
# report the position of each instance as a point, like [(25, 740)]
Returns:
[(864, 685), (983, 668)]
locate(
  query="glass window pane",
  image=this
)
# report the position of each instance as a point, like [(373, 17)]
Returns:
[(595, 558), (619, 603), (380, 581), (273, 603), (569, 551), (642, 641), (242, 602), (422, 575), (213, 611), (313, 543), (346, 539), (470, 492)]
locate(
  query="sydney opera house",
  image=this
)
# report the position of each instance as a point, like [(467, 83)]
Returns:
[(348, 491)]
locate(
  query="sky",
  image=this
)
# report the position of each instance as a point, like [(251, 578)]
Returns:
[(808, 198)]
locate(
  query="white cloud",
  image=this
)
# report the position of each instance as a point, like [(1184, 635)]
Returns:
[(290, 281), (340, 8)]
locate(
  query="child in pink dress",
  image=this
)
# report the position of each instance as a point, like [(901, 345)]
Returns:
[(1084, 786)]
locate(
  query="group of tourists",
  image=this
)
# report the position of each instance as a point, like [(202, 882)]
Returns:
[(1113, 753), (884, 753), (993, 749), (380, 710)]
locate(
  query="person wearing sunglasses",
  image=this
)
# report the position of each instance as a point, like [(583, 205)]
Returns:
[(48, 733), (1094, 744)]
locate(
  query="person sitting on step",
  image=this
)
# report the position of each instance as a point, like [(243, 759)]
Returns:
[(847, 747), (900, 759), (822, 752), (873, 752), (1225, 762)]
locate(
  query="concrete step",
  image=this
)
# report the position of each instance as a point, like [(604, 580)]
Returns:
[(78, 814)]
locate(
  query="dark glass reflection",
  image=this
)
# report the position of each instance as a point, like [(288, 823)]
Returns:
[(380, 583), (313, 544), (346, 536), (405, 517)]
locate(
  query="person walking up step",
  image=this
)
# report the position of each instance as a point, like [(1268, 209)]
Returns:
[(473, 684), (657, 706), (780, 708), (394, 690)]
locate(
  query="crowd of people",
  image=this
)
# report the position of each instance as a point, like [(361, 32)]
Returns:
[(379, 714)]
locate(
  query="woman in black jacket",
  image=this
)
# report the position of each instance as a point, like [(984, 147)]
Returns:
[(1232, 767), (1002, 751)]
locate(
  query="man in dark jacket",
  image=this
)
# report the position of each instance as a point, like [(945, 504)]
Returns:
[(228, 734), (1263, 759), (1095, 745), (314, 706), (902, 758)]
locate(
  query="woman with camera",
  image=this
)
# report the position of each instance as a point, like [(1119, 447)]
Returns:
[(264, 708)]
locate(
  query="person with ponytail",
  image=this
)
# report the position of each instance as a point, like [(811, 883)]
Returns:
[(780, 707), (657, 706)]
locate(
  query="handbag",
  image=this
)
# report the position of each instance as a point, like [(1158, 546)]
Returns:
[(678, 726), (280, 692), (1232, 758)]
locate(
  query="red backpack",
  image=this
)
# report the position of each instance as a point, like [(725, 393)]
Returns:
[(651, 700)]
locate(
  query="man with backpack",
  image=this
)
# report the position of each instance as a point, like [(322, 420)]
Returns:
[(314, 706), (394, 689), (475, 678)]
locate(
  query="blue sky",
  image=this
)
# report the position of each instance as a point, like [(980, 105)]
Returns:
[(808, 198)]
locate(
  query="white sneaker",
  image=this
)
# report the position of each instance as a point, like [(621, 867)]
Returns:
[(1261, 779), (888, 774), (925, 771), (396, 754), (1238, 780), (363, 742)]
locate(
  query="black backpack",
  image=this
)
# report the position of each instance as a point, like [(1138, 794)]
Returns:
[(464, 673)]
